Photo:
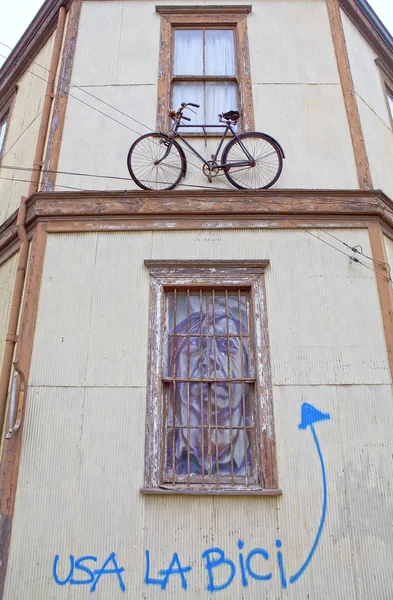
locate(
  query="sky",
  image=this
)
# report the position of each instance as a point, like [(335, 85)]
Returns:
[(16, 16)]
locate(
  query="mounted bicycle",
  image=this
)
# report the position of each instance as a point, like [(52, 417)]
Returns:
[(253, 160)]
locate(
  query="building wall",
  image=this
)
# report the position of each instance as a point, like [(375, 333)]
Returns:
[(83, 440), (22, 131), (7, 278), (296, 92), (373, 109)]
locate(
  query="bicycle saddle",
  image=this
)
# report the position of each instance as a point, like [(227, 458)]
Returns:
[(231, 115)]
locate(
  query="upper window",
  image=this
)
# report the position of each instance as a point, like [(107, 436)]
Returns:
[(3, 128), (210, 418), (390, 101), (200, 62), (204, 72)]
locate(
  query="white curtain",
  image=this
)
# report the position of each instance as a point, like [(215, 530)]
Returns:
[(218, 59), (3, 127), (189, 92), (219, 52), (188, 58), (220, 97)]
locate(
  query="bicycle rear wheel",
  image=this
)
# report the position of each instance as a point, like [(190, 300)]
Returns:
[(143, 156), (266, 167)]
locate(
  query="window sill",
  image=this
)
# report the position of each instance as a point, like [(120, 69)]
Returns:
[(211, 492)]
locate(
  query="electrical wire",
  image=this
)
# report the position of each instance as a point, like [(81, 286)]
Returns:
[(291, 212), (69, 82), (352, 248)]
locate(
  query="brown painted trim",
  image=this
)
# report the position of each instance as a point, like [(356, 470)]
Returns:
[(34, 38), (207, 492), (384, 286), (11, 452), (351, 107), (60, 104), (375, 39), (228, 9), (208, 223), (122, 211), (204, 16), (245, 274)]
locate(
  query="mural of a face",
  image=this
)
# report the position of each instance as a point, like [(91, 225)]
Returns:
[(211, 343)]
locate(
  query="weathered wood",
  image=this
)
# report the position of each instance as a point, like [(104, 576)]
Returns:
[(351, 107)]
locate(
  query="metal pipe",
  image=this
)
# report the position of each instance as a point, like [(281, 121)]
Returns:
[(11, 337), (49, 95)]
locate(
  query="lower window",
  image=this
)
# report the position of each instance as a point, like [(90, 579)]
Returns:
[(209, 406)]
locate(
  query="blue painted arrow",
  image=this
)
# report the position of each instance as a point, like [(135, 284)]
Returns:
[(309, 416)]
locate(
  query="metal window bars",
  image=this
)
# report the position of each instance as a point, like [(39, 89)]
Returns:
[(209, 389)]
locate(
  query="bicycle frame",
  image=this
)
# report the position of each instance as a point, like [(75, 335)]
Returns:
[(208, 163)]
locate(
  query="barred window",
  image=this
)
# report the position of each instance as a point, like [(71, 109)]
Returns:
[(209, 382), (209, 407)]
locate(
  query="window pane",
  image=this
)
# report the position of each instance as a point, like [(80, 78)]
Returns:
[(220, 97), (208, 403), (189, 92), (220, 56), (3, 127), (390, 99), (188, 59)]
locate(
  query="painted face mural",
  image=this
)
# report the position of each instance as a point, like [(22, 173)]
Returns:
[(209, 419)]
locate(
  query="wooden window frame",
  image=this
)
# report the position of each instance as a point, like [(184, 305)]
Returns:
[(4, 118), (386, 73), (6, 107), (231, 17), (248, 274)]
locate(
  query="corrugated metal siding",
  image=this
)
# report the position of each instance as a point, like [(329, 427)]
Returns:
[(82, 460)]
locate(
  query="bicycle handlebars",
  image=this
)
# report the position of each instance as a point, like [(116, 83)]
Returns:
[(178, 115)]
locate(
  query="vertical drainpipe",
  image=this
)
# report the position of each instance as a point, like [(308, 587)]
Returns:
[(11, 337)]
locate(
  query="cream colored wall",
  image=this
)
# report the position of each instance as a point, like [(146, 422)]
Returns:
[(372, 104), (7, 278), (296, 91), (22, 131), (83, 440)]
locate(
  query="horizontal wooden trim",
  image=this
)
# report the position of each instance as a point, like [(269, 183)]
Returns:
[(209, 78), (204, 10), (137, 210), (212, 492), (231, 266)]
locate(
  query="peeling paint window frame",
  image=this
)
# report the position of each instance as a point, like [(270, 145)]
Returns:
[(204, 17), (248, 275), (3, 132), (389, 97), (386, 74)]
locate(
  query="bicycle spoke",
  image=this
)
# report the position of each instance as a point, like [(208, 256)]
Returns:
[(262, 171)]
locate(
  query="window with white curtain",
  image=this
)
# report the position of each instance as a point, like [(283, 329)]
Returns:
[(3, 128), (390, 102), (204, 72)]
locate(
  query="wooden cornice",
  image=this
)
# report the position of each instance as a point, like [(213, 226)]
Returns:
[(372, 29), (34, 38), (204, 9), (119, 211)]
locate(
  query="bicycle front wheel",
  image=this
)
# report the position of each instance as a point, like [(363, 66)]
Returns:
[(265, 167), (144, 166)]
